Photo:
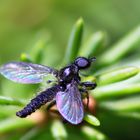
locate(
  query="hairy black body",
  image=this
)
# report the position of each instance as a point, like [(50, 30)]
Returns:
[(38, 101), (66, 92)]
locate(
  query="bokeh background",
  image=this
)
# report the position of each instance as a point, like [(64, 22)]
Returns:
[(23, 22)]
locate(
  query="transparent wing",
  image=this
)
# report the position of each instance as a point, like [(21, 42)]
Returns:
[(26, 73), (69, 104)]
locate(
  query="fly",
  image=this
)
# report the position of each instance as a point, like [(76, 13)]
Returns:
[(67, 92)]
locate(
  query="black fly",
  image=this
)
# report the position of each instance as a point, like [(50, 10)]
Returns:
[(66, 92)]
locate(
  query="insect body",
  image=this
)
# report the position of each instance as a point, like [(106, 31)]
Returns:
[(66, 92)]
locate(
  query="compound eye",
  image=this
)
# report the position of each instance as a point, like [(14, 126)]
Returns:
[(82, 62)]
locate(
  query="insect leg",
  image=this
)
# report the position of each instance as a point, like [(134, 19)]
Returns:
[(38, 101), (64, 121), (52, 103), (85, 86), (85, 95), (88, 85)]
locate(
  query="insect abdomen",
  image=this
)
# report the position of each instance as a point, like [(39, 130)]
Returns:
[(38, 101)]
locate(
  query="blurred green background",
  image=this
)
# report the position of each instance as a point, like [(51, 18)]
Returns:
[(24, 22), (21, 22)]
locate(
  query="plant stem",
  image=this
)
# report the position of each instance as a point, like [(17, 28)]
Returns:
[(121, 48), (122, 105), (74, 41), (12, 124), (93, 134), (115, 90), (91, 120), (58, 130), (117, 75), (93, 45), (25, 58), (10, 101)]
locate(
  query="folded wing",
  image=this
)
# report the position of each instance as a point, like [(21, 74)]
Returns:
[(27, 73), (69, 104)]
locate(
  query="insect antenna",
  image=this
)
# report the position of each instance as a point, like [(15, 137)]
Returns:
[(92, 59)]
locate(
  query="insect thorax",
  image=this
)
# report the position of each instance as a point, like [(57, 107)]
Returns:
[(68, 73)]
